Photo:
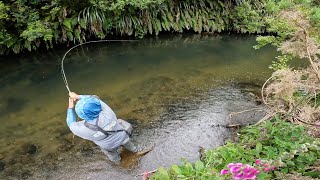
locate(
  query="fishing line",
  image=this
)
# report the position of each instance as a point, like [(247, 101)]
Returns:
[(88, 42)]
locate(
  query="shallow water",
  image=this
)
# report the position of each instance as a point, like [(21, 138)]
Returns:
[(171, 88)]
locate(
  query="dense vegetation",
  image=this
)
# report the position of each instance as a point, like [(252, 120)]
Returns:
[(279, 147), (27, 25)]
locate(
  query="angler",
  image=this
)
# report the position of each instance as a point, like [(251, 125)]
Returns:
[(100, 125)]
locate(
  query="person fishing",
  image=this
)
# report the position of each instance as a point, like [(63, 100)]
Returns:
[(99, 124)]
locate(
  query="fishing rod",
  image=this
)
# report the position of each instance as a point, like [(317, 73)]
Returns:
[(88, 42)]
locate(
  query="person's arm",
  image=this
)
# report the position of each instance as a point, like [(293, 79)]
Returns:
[(84, 96), (70, 114), (75, 96)]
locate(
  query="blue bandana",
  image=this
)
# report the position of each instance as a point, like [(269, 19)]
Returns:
[(88, 108)]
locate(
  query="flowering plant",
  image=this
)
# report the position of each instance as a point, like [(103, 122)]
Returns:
[(246, 171)]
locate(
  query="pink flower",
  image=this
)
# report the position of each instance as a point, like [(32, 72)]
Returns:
[(266, 169), (235, 169), (249, 176), (239, 164), (247, 170), (258, 161), (256, 172), (224, 172), (238, 176), (146, 175), (230, 165)]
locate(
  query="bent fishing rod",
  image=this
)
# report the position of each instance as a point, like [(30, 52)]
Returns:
[(88, 42)]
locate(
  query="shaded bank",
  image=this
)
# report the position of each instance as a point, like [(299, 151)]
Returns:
[(29, 25)]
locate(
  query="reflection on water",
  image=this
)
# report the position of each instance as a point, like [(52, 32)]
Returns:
[(142, 81)]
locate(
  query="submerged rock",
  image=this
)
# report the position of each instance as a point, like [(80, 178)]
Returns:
[(32, 149), (2, 166), (28, 148), (87, 151)]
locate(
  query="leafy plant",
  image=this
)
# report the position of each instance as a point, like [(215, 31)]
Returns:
[(31, 24), (277, 143)]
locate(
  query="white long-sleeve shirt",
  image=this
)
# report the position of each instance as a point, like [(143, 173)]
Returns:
[(107, 121)]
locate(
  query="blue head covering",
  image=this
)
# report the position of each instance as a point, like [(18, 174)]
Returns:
[(88, 108)]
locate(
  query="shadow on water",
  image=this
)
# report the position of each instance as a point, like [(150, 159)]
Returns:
[(172, 89)]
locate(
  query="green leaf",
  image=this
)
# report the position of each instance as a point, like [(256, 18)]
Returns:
[(263, 176), (176, 169), (162, 174), (199, 166), (258, 147), (189, 167), (181, 176), (70, 36), (82, 23), (67, 23), (170, 17), (312, 174), (284, 170)]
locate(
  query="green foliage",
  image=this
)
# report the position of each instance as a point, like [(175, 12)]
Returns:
[(275, 140), (33, 23), (248, 17), (120, 5), (315, 19), (315, 15), (281, 63), (37, 30), (77, 21), (3, 11), (282, 144), (162, 174), (264, 40), (279, 25), (187, 171), (287, 22)]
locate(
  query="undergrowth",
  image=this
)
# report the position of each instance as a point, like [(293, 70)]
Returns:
[(282, 145)]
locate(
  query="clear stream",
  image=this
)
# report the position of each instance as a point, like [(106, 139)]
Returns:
[(173, 89)]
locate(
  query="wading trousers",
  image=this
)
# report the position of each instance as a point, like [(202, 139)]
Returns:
[(114, 155)]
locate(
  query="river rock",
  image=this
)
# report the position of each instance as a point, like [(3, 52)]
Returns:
[(87, 152), (26, 148), (32, 149), (2, 165)]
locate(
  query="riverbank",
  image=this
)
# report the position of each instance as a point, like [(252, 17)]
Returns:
[(270, 150), (27, 26)]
